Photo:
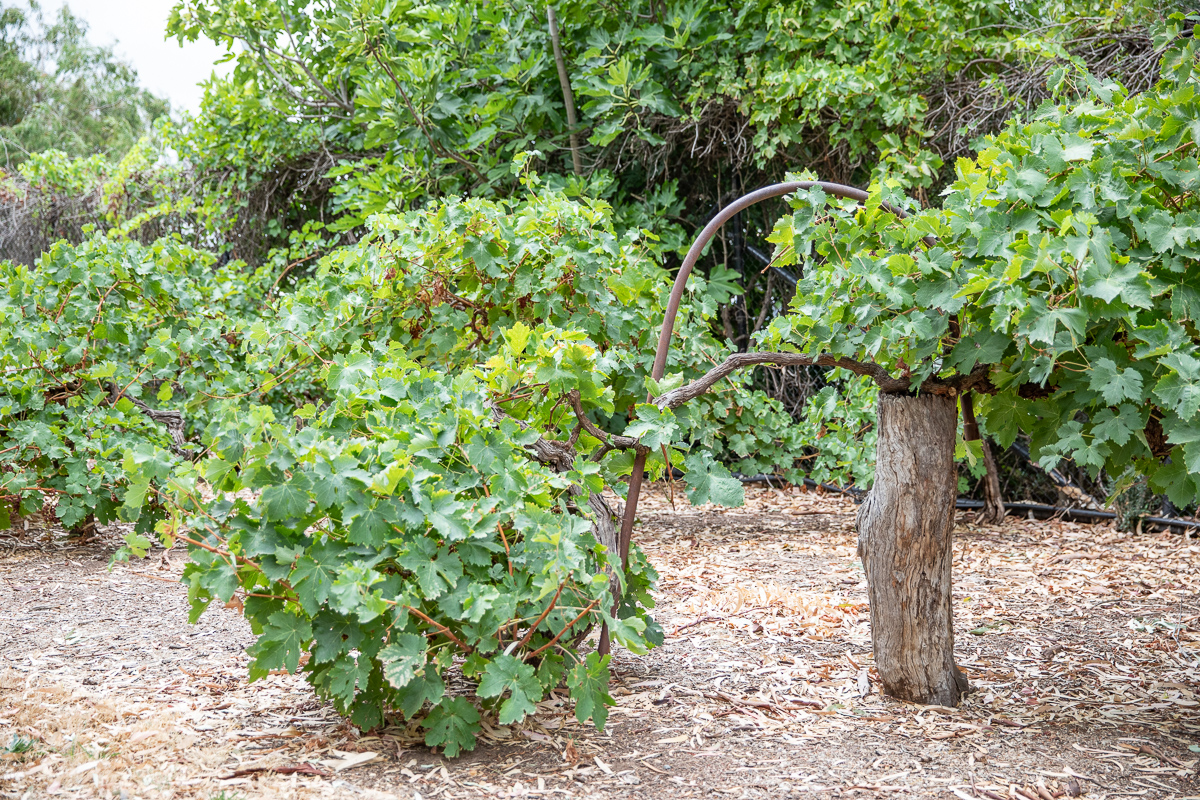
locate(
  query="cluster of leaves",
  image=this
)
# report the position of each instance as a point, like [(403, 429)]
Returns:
[(838, 428), (350, 109), (361, 460), (402, 530), (406, 522), (88, 337), (448, 280), (1061, 269)]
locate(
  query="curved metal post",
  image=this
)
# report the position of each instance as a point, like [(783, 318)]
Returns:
[(668, 327)]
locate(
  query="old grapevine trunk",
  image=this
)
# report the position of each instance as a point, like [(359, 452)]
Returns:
[(905, 532)]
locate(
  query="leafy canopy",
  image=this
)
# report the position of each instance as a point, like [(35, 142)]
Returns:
[(1059, 278)]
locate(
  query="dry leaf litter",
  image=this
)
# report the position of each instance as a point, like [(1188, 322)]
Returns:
[(1080, 642)]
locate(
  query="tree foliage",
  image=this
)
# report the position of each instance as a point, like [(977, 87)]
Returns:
[(57, 90), (1058, 279)]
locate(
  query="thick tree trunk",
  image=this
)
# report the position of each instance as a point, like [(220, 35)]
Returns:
[(905, 532)]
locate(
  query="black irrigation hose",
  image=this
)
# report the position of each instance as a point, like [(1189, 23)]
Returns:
[(1037, 509), (1046, 512)]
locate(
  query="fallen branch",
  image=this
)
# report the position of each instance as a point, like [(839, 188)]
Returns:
[(299, 769)]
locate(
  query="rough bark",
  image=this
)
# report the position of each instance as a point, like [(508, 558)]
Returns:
[(568, 97), (85, 529), (905, 533)]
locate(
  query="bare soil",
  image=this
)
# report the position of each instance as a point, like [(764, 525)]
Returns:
[(1080, 642)]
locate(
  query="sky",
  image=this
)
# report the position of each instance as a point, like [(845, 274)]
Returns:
[(137, 29)]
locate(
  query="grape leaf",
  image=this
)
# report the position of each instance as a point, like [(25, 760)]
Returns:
[(403, 659), (709, 481), (507, 673), (287, 500), (588, 682), (452, 724), (280, 645), (1115, 384)]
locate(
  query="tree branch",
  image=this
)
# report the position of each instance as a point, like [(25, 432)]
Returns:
[(533, 628), (888, 384), (677, 397), (565, 82), (340, 102), (611, 441), (172, 420), (433, 143)]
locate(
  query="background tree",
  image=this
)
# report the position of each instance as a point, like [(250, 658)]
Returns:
[(682, 106), (59, 91)]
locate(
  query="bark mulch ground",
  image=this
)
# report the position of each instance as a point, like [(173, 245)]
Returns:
[(1080, 642)]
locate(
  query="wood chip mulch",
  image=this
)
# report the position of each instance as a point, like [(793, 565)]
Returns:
[(1081, 643)]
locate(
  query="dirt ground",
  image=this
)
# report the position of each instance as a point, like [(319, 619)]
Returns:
[(1080, 643)]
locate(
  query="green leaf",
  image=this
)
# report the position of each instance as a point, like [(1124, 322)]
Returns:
[(1158, 339), (453, 724), (427, 687), (403, 659), (517, 337), (1180, 390), (445, 514), (507, 673), (369, 525), (588, 682), (436, 571), (654, 426), (347, 675), (138, 545), (709, 481), (281, 644), (1117, 427), (1115, 384), (288, 500), (313, 578)]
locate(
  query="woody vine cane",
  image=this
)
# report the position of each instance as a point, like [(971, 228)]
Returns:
[(929, 688)]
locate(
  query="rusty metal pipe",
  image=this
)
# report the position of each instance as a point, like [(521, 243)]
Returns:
[(668, 326), (685, 271)]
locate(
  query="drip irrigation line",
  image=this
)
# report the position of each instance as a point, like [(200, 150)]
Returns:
[(1039, 510)]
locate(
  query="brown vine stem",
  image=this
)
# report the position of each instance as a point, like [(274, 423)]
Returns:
[(226, 554), (507, 552), (611, 441), (538, 621), (952, 387), (466, 648), (566, 628), (288, 269)]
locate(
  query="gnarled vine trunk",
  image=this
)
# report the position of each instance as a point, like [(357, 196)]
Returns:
[(905, 531), (993, 500)]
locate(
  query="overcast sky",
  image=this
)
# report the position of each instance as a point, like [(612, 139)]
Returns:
[(137, 29)]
